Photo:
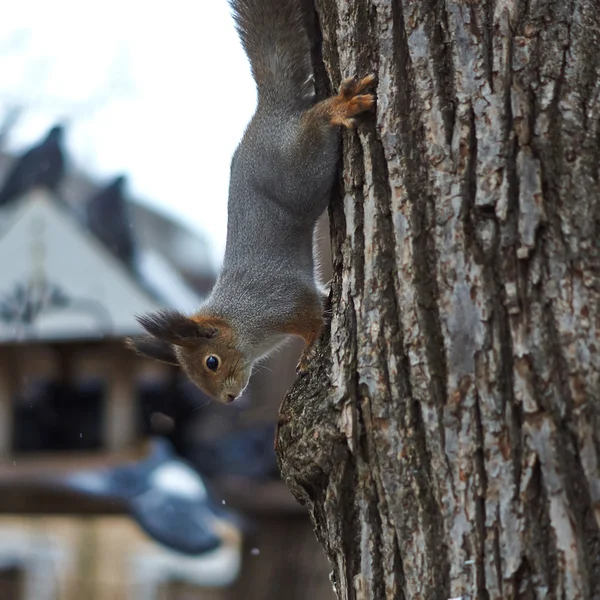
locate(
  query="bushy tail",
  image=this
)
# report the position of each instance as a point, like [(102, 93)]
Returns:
[(276, 42)]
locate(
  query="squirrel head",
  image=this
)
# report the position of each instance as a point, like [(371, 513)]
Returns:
[(205, 347)]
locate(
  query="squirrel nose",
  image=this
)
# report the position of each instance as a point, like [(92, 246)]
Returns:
[(230, 398)]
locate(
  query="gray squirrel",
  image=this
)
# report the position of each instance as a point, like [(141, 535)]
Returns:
[(281, 178)]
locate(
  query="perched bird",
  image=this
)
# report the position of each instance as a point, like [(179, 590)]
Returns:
[(43, 165), (107, 215), (166, 497)]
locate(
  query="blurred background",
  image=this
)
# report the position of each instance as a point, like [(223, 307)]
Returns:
[(118, 478)]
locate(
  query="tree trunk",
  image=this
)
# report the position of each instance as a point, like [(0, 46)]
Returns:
[(447, 438)]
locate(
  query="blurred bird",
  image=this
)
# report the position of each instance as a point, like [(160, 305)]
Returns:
[(166, 497), (107, 215), (43, 165)]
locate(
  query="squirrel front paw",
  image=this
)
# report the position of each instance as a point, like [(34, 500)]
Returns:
[(351, 102), (307, 356)]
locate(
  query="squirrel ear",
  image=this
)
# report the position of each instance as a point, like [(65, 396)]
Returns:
[(175, 328), (149, 346)]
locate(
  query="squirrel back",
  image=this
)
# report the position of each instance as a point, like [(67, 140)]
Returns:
[(276, 42)]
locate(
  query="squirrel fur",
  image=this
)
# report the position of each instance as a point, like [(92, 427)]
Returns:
[(281, 178)]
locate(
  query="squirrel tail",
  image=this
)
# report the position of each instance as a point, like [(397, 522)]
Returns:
[(275, 39)]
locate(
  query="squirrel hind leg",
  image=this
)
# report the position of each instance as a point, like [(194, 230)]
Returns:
[(351, 102), (353, 86), (343, 108)]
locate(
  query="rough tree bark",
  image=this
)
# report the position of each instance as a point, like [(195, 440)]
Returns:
[(447, 440)]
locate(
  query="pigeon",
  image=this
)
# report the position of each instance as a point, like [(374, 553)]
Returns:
[(41, 166), (166, 497), (108, 217)]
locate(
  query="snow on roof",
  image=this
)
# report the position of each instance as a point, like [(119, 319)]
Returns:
[(164, 281), (58, 281)]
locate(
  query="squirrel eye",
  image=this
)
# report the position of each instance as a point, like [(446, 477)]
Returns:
[(212, 362)]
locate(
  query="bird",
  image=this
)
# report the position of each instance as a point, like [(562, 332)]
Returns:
[(166, 497), (107, 216), (41, 166)]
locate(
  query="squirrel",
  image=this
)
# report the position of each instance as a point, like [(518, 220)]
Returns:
[(281, 177)]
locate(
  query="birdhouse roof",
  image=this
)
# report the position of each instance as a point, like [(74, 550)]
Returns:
[(58, 281)]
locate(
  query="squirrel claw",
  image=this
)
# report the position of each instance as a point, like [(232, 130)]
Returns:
[(307, 356), (353, 86), (301, 368), (351, 102)]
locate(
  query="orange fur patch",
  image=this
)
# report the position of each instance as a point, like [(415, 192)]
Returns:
[(308, 324), (349, 103)]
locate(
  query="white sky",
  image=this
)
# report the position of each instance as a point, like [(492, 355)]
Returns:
[(160, 91)]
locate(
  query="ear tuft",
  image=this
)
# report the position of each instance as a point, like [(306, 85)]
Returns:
[(174, 327), (151, 347)]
